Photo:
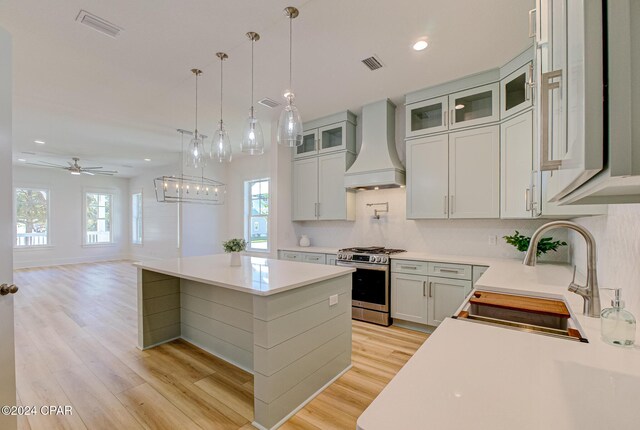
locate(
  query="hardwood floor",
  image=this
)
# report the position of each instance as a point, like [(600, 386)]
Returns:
[(76, 336)]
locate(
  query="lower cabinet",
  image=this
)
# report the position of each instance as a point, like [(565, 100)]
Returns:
[(307, 257), (427, 299)]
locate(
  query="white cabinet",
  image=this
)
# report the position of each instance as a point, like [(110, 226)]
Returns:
[(318, 188), (331, 259), (307, 257), (309, 144), (474, 106), (334, 137), (428, 177), (478, 271), (409, 297), (333, 133), (516, 91), (290, 256), (516, 164), (426, 117), (314, 258), (444, 297), (455, 175), (474, 173)]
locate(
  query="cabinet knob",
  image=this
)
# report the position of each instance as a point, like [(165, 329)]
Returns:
[(8, 289)]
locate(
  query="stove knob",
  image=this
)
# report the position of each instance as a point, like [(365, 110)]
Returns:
[(349, 257), (385, 259)]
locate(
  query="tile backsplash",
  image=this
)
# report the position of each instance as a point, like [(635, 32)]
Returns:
[(458, 237)]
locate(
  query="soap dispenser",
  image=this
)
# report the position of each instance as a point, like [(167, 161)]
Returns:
[(617, 324)]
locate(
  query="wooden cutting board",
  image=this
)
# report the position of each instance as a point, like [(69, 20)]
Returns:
[(529, 304)]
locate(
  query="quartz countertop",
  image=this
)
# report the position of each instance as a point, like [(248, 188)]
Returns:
[(259, 276), (317, 249), (469, 375), (445, 258)]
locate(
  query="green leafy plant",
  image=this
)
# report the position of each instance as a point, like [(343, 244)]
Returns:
[(545, 245), (234, 245)]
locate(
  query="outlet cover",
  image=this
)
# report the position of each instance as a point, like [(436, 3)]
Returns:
[(333, 300), (493, 239)]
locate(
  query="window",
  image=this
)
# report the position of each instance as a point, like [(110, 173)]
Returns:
[(136, 218), (98, 211), (257, 235), (32, 217)]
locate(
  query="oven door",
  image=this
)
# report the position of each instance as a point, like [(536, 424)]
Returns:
[(370, 286)]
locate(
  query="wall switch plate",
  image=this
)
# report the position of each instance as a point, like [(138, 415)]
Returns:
[(493, 239), (333, 300)]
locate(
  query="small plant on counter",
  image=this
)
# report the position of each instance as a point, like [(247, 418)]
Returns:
[(545, 245), (234, 245)]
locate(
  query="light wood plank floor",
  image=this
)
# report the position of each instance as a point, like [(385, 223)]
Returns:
[(76, 336)]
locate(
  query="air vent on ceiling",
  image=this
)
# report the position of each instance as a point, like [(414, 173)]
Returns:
[(268, 102), (372, 63), (98, 24)]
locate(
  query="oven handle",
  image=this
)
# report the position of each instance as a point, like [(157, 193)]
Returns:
[(381, 268)]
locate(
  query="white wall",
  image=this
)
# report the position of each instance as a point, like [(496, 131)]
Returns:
[(618, 250), (66, 194)]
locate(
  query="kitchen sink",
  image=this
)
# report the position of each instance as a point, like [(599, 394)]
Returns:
[(532, 314)]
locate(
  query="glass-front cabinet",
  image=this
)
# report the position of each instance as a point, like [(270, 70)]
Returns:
[(309, 144), (332, 138), (427, 117), (515, 91), (474, 106)]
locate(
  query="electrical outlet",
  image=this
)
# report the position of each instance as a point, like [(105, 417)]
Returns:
[(333, 300), (493, 239)]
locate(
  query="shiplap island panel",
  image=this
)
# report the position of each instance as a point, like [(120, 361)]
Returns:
[(270, 317)]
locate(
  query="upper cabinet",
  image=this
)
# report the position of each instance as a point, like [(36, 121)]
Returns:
[(427, 117), (516, 91), (333, 133), (475, 106)]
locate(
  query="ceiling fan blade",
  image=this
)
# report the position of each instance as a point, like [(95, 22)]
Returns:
[(87, 173), (51, 166), (91, 168), (46, 163), (105, 173)]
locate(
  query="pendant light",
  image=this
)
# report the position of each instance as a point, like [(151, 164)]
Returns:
[(220, 144), (252, 139), (194, 156), (290, 124)]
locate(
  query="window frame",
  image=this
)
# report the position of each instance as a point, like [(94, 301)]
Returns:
[(140, 215), (247, 218), (15, 217), (113, 194)]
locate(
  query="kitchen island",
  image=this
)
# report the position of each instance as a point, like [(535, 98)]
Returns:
[(287, 323)]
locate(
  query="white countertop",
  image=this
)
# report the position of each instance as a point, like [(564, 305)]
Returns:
[(259, 276), (317, 249), (469, 375), (445, 258)]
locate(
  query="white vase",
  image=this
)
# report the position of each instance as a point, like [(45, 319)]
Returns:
[(236, 260), (304, 240)]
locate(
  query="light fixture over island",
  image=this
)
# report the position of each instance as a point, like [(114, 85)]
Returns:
[(288, 323)]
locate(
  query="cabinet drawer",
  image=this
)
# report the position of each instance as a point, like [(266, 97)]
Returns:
[(309, 257), (331, 259), (290, 256), (409, 267), (449, 270)]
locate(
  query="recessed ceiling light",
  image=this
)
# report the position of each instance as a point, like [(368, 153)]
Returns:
[(460, 106), (22, 160), (147, 159), (39, 142), (420, 45)]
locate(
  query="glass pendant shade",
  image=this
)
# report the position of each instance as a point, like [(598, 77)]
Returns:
[(290, 126), (252, 138), (221, 145), (195, 155)]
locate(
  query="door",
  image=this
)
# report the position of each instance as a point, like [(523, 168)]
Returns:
[(409, 297), (428, 177), (333, 138), (445, 297), (7, 349), (474, 107), (305, 189), (332, 197), (474, 173), (516, 144), (516, 91), (309, 144), (427, 117)]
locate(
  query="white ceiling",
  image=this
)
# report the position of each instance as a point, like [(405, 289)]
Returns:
[(118, 101)]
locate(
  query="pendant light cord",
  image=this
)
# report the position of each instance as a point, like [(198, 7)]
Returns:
[(252, 42), (221, 79), (196, 130), (290, 54)]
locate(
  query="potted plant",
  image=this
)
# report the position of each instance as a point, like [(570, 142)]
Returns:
[(235, 247), (545, 245)]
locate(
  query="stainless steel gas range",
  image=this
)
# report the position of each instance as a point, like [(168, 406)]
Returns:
[(370, 296)]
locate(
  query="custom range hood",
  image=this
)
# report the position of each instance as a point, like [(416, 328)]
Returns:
[(377, 165)]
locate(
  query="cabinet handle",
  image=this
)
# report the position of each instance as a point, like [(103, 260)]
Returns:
[(452, 118), (449, 270), (547, 85), (445, 118), (424, 285), (451, 200), (529, 84), (409, 267), (527, 200), (446, 205), (533, 203), (430, 289), (532, 23)]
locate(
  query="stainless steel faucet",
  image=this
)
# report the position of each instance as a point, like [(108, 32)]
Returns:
[(589, 292)]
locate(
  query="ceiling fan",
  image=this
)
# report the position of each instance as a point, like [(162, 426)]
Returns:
[(76, 169)]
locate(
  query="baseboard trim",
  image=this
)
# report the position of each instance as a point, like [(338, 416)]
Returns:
[(69, 261)]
